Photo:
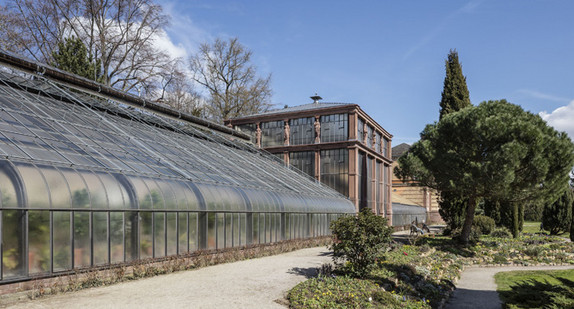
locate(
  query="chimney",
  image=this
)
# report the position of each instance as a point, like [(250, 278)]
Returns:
[(316, 98)]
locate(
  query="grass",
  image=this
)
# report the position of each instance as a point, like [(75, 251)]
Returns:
[(533, 227), (536, 289)]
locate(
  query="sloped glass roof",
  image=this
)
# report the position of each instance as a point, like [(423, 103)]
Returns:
[(65, 147)]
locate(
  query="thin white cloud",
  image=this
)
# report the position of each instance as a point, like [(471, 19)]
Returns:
[(562, 118), (543, 96), (467, 8)]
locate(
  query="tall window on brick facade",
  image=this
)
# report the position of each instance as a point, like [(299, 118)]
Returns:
[(360, 127), (304, 161), (335, 169), (334, 128), (272, 133), (248, 128), (302, 131)]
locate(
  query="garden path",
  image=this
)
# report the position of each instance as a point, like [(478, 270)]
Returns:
[(255, 283), (476, 287)]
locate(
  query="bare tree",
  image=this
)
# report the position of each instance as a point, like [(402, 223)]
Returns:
[(178, 92), (224, 70), (120, 33)]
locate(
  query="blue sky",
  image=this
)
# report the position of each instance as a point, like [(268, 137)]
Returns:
[(388, 56)]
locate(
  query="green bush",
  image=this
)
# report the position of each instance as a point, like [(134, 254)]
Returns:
[(485, 224), (473, 238), (359, 240), (557, 216), (501, 232)]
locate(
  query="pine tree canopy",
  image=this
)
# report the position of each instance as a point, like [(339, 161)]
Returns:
[(455, 94), (495, 150)]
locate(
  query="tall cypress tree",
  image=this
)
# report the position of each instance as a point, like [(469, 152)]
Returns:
[(72, 56), (455, 94), (454, 97)]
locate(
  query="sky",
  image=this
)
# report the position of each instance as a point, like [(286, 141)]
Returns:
[(389, 56)]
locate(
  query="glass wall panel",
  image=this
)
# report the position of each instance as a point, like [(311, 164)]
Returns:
[(146, 235), (80, 195), (304, 161), (360, 129), (100, 236), (248, 129), (131, 235), (82, 243), (36, 188), (386, 193), (361, 177), (334, 128), (220, 235), (117, 195), (144, 198), (38, 242), (378, 143), (243, 229), (156, 197), (117, 236), (8, 197), (13, 243), (288, 226), (335, 169), (255, 229), (97, 191), (193, 240), (229, 230), (159, 234), (168, 194), (211, 232), (378, 187), (263, 228), (182, 235), (59, 192), (385, 147), (272, 133), (171, 233), (62, 246), (302, 131), (369, 182), (369, 136)]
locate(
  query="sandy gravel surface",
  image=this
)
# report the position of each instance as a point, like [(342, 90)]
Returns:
[(476, 287), (256, 283)]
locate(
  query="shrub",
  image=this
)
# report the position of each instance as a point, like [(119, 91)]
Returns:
[(359, 240), (557, 216), (485, 224), (472, 238), (501, 232)]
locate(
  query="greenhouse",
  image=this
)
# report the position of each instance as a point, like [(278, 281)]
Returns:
[(90, 176)]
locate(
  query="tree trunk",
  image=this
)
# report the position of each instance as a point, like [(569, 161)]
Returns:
[(467, 226)]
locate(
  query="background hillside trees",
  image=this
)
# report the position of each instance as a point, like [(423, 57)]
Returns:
[(495, 151)]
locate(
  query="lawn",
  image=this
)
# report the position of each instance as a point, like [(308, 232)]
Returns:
[(536, 289), (533, 227)]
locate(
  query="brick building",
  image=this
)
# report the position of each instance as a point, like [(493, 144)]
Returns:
[(337, 144)]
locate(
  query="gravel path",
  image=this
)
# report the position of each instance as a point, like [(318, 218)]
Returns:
[(476, 287), (255, 283)]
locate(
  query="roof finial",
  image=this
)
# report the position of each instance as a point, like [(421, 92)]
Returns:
[(316, 98)]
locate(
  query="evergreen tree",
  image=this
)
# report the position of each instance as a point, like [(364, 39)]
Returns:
[(72, 56), (493, 151), (454, 97), (557, 216), (455, 94)]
